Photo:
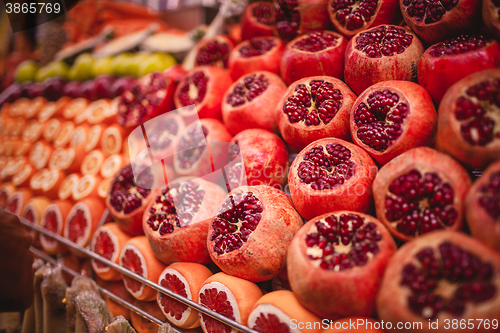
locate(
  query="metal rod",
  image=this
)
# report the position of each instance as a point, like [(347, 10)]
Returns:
[(138, 277)]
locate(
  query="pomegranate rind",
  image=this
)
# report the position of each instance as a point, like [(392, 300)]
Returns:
[(449, 138), (491, 17), (334, 294), (392, 301), (424, 160), (250, 27), (263, 255), (221, 39), (418, 128)]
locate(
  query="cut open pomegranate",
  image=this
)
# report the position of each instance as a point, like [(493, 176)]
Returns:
[(257, 20), (214, 51)]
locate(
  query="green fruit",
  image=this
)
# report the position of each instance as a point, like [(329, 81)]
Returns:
[(132, 67), (26, 71), (102, 66), (82, 68), (119, 62), (156, 63), (55, 68)]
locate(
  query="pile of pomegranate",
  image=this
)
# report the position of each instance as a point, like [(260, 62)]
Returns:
[(346, 152)]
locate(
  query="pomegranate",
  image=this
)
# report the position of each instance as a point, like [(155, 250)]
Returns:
[(386, 52), (435, 21), (214, 51), (314, 108), (392, 117), (203, 87), (251, 231), (255, 91), (257, 157), (491, 16), (482, 207), (129, 195), (176, 221), (331, 174), (420, 191), (468, 121), (257, 20), (439, 278), (151, 96), (314, 54), (198, 151), (293, 18), (351, 17), (445, 63), (256, 54), (336, 261)]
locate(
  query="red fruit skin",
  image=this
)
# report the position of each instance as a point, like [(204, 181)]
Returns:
[(360, 71), (269, 61), (449, 138), (176, 72), (264, 253), (463, 18), (419, 127), (187, 244), (392, 300), (337, 294), (491, 18), (244, 116), (299, 134), (355, 194), (482, 225), (210, 107), (297, 64), (438, 74), (250, 27), (423, 159)]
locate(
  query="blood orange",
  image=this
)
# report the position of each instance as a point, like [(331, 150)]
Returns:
[(65, 135), (92, 162), (94, 137), (86, 187), (18, 200), (39, 154), (104, 187), (67, 186), (5, 191), (33, 130), (52, 129), (53, 219), (52, 182), (112, 165), (74, 108), (112, 139), (33, 212), (34, 107), (23, 176), (79, 139), (37, 180)]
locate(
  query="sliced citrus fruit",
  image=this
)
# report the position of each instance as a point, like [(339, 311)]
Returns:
[(53, 109), (18, 200), (58, 159), (112, 165), (19, 106), (6, 189), (94, 137), (97, 111), (18, 125), (3, 160), (13, 165), (74, 158), (8, 146), (65, 135), (69, 183), (35, 106), (34, 130), (53, 219), (104, 187), (23, 176), (22, 147), (33, 212), (92, 162), (75, 108), (52, 129), (112, 139), (86, 187), (79, 138), (39, 154), (52, 182), (143, 325), (37, 180)]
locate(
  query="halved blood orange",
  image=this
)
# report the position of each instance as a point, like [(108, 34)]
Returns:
[(33, 131), (52, 129), (143, 325), (33, 212), (112, 139), (3, 159), (82, 221), (185, 279), (275, 311), (79, 139), (18, 200), (6, 189), (230, 296), (67, 186), (52, 109), (13, 165), (74, 158), (53, 219), (112, 165), (39, 154), (22, 177), (37, 180), (138, 257), (94, 137), (65, 135), (97, 111), (18, 125), (86, 187), (8, 146), (92, 163), (104, 187), (75, 107), (354, 324), (22, 147), (108, 242), (19, 106), (52, 182), (35, 106)]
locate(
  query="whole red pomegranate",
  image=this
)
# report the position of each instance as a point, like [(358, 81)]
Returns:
[(392, 117), (434, 21), (468, 119), (214, 51), (256, 54), (177, 219), (255, 91), (249, 235), (257, 20), (420, 191), (351, 17), (293, 18), (386, 52), (482, 207), (491, 16), (336, 261), (441, 278), (445, 63), (314, 108), (331, 174), (203, 87), (314, 54), (258, 157), (147, 98)]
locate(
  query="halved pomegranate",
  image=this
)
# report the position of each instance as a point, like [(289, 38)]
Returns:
[(331, 174), (482, 207), (441, 277), (176, 221), (163, 133), (445, 63), (293, 18), (468, 121), (420, 191), (18, 200), (435, 21), (203, 87), (257, 20), (314, 108), (386, 52), (336, 261), (255, 91), (214, 51), (256, 54), (53, 219), (251, 231), (491, 17), (151, 96), (392, 117), (314, 54)]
